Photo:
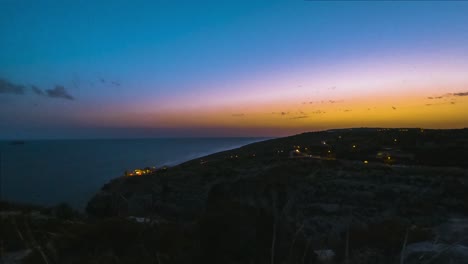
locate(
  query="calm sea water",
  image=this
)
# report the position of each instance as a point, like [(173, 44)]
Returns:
[(48, 172)]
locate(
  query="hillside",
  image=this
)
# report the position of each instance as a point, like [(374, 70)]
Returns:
[(338, 196), (372, 185)]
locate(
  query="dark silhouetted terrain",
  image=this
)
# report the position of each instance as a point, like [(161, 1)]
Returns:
[(338, 196)]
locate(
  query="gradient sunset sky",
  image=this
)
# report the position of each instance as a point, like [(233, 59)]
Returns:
[(84, 69)]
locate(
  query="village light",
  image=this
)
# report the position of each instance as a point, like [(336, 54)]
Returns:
[(365, 162)]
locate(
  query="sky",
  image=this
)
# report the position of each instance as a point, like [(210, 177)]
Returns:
[(97, 69)]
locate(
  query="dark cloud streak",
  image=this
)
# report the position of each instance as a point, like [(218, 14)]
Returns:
[(7, 87), (299, 117), (59, 92), (461, 94), (37, 90)]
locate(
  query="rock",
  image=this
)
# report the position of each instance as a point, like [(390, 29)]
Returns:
[(325, 255), (436, 253), (16, 257), (454, 230)]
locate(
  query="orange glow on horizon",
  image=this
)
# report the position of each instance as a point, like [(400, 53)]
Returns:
[(365, 96), (294, 116)]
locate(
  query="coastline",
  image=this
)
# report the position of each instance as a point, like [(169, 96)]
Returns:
[(72, 170)]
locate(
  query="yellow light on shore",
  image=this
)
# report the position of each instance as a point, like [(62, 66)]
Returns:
[(389, 157), (365, 162)]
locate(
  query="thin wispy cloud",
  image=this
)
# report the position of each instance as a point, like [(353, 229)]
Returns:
[(280, 113), (299, 117), (7, 87), (318, 112), (59, 92), (324, 102), (461, 94), (37, 90)]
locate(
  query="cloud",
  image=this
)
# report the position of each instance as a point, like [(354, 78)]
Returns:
[(323, 102), (461, 94), (446, 96), (318, 112), (280, 113), (59, 92), (238, 115), (7, 87), (299, 117), (37, 90)]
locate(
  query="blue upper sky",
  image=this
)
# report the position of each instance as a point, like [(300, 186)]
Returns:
[(108, 55)]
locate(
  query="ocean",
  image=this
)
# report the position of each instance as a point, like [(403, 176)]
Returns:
[(48, 172)]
